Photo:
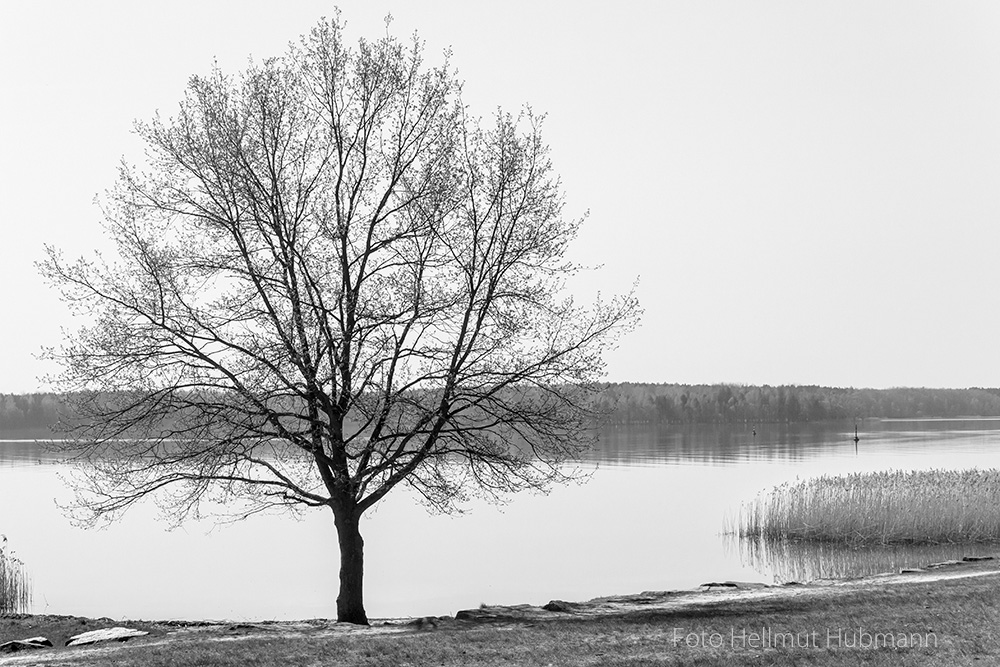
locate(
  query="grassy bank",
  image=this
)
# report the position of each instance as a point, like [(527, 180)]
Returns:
[(945, 621), (923, 507)]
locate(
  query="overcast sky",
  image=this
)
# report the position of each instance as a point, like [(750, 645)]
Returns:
[(808, 192)]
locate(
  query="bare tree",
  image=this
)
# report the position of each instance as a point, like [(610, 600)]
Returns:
[(330, 281)]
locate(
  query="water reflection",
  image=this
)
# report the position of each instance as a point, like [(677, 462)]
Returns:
[(726, 444), (788, 561), (24, 453), (715, 444)]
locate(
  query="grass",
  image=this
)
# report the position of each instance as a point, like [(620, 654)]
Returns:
[(15, 586), (955, 621), (883, 508)]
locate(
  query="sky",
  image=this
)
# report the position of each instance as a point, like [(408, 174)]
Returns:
[(806, 192)]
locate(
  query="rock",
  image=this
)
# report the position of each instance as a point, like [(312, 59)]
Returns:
[(945, 563), (41, 641), (429, 622), (734, 585), (976, 559), (22, 644), (561, 605), (245, 627), (518, 612), (107, 634), (634, 599)]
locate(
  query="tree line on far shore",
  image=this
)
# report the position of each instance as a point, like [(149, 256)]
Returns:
[(640, 403), (22, 412), (634, 403)]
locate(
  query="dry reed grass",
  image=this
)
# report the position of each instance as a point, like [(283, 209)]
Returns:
[(921, 507), (15, 586)]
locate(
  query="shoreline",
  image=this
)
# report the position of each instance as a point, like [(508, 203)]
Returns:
[(713, 594), (712, 600)]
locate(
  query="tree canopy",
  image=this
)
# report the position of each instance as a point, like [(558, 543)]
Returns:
[(330, 280)]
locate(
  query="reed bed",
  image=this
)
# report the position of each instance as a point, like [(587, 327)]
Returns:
[(882, 508), (15, 586)]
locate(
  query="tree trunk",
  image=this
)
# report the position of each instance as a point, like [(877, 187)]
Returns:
[(350, 601)]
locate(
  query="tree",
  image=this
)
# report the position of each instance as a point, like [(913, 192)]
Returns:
[(330, 281)]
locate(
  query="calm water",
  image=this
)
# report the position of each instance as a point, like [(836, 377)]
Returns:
[(648, 517)]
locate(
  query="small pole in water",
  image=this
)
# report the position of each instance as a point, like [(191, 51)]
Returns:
[(755, 432), (856, 438)]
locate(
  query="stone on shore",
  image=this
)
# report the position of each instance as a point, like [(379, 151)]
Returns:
[(429, 622), (23, 644), (107, 634), (517, 612)]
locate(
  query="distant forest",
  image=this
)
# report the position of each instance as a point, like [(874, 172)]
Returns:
[(632, 403)]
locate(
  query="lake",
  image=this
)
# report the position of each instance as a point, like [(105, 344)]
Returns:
[(648, 515)]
